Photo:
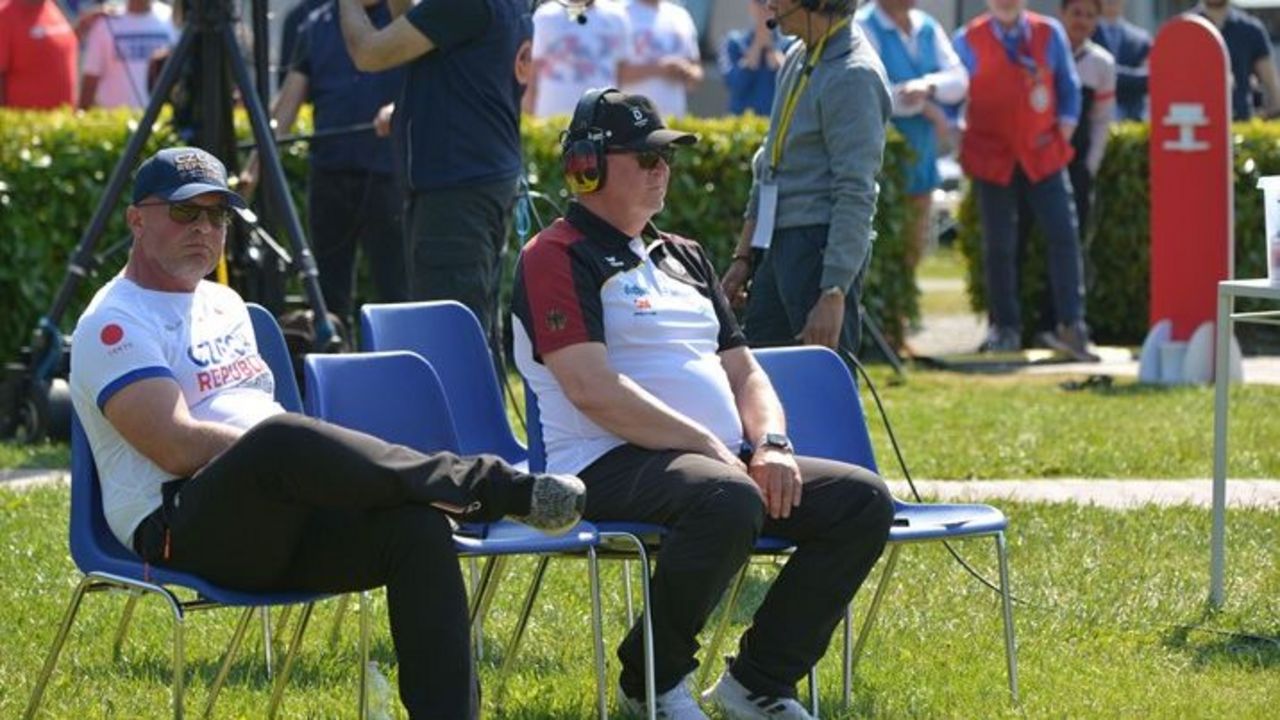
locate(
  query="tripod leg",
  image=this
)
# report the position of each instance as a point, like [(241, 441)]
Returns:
[(278, 189), (882, 344), (83, 259)]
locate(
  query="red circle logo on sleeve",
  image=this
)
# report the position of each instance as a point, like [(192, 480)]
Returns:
[(112, 334)]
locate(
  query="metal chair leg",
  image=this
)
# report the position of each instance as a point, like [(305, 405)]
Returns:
[(813, 691), (597, 632), (846, 665), (483, 598), (477, 627), (646, 617), (513, 648), (722, 627), (122, 630), (290, 657), (872, 610), (268, 645), (51, 660), (232, 648), (179, 663), (366, 611), (1010, 642), (339, 614), (626, 592)]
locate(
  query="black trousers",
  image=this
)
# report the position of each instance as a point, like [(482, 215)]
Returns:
[(350, 209), (456, 239), (714, 514), (299, 504)]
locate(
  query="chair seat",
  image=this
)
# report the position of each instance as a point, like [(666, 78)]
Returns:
[(931, 522), (507, 537), (131, 568)]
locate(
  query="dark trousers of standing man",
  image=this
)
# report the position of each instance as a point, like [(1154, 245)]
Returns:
[(713, 514), (350, 209), (784, 288), (456, 239), (1051, 203), (297, 504)]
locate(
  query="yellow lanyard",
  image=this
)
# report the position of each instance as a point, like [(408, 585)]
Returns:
[(793, 97)]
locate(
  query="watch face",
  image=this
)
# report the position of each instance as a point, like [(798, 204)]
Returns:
[(776, 440)]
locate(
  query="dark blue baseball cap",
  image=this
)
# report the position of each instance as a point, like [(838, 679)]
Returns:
[(177, 174)]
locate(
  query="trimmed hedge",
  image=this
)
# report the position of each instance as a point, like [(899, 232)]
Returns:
[(1118, 248), (54, 166)]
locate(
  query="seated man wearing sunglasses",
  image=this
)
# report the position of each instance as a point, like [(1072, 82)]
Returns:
[(202, 471), (648, 393)]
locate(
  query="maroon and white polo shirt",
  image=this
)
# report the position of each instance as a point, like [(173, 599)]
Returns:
[(656, 307)]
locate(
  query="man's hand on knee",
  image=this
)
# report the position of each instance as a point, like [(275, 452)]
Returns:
[(776, 473)]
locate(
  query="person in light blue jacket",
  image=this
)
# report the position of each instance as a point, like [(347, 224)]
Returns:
[(925, 72)]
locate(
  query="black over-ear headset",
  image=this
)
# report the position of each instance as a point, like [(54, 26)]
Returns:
[(582, 154)]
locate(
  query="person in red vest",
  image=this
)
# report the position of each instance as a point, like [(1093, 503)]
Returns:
[(38, 55), (1024, 104)]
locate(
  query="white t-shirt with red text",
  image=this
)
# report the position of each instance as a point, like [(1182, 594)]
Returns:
[(202, 340)]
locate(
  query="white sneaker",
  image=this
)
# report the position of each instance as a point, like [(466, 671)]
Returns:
[(739, 703), (674, 704)]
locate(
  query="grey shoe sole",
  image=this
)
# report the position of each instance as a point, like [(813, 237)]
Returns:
[(556, 503)]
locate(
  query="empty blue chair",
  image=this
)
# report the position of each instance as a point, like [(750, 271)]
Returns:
[(447, 335), (107, 565), (825, 419), (398, 397)]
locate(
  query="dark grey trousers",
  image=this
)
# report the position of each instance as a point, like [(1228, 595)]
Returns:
[(456, 238)]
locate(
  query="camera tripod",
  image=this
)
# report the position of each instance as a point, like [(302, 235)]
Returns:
[(31, 400)]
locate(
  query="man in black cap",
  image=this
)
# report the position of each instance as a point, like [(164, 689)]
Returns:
[(648, 392), (201, 470)]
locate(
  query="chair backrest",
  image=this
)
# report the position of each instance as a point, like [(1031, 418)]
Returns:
[(93, 545), (447, 334), (533, 419), (824, 412), (395, 396), (272, 348), (820, 397)]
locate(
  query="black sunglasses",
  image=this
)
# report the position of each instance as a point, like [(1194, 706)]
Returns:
[(648, 159), (185, 213)]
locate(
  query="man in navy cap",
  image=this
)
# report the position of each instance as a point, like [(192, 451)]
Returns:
[(201, 469)]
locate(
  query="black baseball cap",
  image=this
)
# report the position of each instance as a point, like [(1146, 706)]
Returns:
[(181, 173), (631, 122)]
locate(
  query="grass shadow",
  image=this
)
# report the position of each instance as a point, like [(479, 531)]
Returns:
[(1210, 647)]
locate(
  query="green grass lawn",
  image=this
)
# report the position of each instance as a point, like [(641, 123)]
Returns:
[(1113, 625), (44, 455), (944, 262)]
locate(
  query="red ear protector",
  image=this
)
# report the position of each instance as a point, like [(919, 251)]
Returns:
[(582, 146)]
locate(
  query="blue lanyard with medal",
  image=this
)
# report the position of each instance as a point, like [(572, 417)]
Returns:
[(1021, 55)]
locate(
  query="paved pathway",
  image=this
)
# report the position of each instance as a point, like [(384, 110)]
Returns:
[(1103, 493)]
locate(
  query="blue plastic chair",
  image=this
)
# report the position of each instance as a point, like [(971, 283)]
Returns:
[(447, 335), (825, 419), (398, 397), (107, 565)]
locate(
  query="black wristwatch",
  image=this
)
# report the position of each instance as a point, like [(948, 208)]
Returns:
[(777, 441)]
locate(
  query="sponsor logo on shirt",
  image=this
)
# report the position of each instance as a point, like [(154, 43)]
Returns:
[(251, 371), (644, 307), (633, 290), (111, 334)]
